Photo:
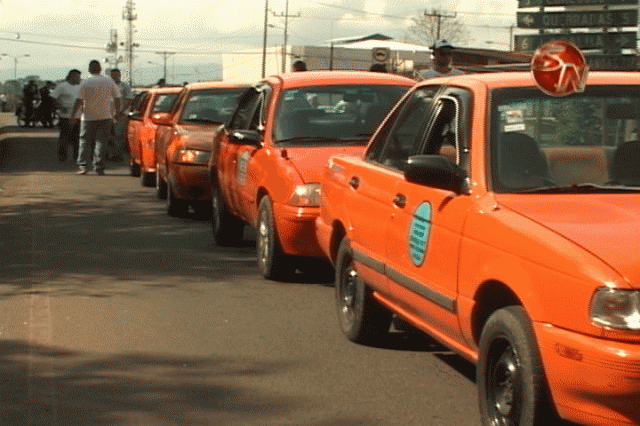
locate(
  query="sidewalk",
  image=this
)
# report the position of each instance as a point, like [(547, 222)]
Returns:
[(8, 119)]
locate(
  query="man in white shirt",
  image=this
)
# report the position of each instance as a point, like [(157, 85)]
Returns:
[(442, 57), (65, 95), (96, 96), (119, 149)]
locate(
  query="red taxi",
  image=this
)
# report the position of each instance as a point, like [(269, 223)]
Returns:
[(504, 222), (268, 158), (184, 139), (140, 132)]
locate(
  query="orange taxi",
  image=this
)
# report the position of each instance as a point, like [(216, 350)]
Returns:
[(269, 157), (184, 139), (140, 132), (504, 222)]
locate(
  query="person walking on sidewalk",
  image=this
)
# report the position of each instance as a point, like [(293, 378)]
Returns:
[(65, 95), (95, 97)]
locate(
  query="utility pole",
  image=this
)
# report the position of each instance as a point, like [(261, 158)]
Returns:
[(112, 49), (128, 15), (264, 37), (286, 17), (165, 55), (439, 17)]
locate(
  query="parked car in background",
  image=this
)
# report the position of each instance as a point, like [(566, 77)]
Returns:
[(184, 139), (141, 130), (510, 240), (268, 158)]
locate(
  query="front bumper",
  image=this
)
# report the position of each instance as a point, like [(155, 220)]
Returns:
[(190, 181), (592, 381), (296, 229)]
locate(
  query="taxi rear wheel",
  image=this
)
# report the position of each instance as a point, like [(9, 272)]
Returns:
[(271, 260), (147, 179), (134, 168), (512, 388), (161, 186), (227, 229), (175, 206), (362, 319)]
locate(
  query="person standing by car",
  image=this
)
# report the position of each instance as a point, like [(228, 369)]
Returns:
[(96, 97), (64, 96), (442, 58), (29, 97), (118, 134), (46, 104)]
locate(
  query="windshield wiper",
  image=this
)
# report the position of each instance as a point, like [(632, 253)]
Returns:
[(309, 139), (202, 120), (581, 188)]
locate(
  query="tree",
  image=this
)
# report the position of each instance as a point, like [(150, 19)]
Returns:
[(435, 25)]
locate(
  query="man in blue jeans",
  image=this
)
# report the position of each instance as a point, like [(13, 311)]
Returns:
[(96, 96)]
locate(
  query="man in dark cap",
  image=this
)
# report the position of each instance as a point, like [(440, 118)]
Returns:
[(441, 66)]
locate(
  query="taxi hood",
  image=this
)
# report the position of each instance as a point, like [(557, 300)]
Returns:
[(606, 225), (311, 161)]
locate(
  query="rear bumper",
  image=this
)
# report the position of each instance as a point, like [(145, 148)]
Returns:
[(593, 381)]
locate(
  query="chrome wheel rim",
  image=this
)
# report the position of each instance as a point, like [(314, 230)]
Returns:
[(264, 239), (504, 385), (348, 297)]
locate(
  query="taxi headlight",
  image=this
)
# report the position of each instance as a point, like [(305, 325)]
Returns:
[(616, 308), (307, 195), (192, 156)]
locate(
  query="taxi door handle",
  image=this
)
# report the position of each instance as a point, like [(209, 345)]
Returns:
[(354, 182), (400, 200)]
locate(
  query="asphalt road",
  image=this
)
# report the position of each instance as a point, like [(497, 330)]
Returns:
[(113, 313)]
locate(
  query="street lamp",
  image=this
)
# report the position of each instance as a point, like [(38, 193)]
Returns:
[(15, 63)]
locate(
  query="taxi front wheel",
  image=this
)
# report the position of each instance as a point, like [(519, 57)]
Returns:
[(175, 206), (362, 319), (161, 185), (512, 388), (272, 262)]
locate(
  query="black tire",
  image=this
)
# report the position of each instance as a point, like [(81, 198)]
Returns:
[(361, 318), (148, 180), (175, 206), (161, 185), (272, 262), (227, 228), (134, 168), (512, 388)]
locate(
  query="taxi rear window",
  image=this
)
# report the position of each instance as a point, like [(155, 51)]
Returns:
[(333, 114), (539, 142)]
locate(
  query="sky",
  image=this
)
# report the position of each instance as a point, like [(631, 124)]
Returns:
[(58, 35)]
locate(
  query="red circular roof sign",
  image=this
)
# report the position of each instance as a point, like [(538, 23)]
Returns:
[(559, 68)]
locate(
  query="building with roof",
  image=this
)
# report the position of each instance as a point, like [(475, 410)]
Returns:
[(359, 53)]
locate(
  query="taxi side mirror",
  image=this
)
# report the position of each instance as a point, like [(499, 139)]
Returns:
[(162, 119), (246, 137), (436, 171), (135, 115)]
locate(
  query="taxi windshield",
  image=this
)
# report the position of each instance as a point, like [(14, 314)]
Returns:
[(324, 115), (584, 142), (213, 106)]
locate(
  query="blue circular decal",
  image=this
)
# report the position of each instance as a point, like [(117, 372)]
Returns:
[(419, 231)]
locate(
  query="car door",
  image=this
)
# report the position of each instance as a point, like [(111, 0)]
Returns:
[(370, 201), (234, 154), (424, 236)]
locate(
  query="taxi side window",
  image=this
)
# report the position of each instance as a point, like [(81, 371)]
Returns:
[(245, 114), (402, 139), (443, 133)]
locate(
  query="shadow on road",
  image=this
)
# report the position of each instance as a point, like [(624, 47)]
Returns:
[(67, 388)]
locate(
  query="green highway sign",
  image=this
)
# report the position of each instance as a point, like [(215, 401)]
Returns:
[(585, 41), (579, 19), (612, 62), (539, 3)]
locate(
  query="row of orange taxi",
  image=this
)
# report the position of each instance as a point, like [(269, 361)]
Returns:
[(499, 213)]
